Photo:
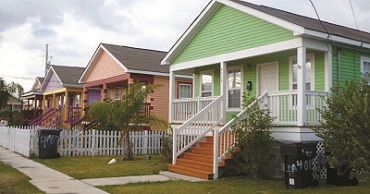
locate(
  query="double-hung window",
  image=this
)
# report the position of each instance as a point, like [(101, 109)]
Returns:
[(184, 90), (234, 88), (118, 94), (309, 77), (206, 81), (365, 68), (309, 73)]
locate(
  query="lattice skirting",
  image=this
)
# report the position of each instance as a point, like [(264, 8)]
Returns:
[(319, 162)]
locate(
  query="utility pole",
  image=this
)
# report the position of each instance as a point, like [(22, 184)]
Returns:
[(46, 59)]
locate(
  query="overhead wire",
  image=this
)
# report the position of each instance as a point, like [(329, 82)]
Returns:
[(323, 26), (354, 15)]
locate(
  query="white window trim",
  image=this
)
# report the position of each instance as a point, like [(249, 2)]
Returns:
[(311, 56), (211, 72), (364, 59), (115, 94), (241, 88), (187, 84)]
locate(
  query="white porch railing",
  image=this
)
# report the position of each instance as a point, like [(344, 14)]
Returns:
[(185, 108), (283, 106), (224, 139), (196, 127)]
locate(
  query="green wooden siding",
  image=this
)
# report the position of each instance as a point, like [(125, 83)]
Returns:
[(319, 71), (229, 30), (350, 65)]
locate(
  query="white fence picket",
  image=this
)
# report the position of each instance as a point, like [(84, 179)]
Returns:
[(75, 143)]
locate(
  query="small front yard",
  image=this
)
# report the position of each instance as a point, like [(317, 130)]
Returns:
[(85, 167), (98, 167), (13, 181), (230, 186)]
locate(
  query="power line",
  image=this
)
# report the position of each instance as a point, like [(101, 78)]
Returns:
[(18, 77), (318, 17), (353, 13)]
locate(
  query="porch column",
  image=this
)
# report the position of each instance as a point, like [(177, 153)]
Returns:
[(43, 105), (55, 103), (223, 89), (171, 95), (66, 103), (301, 86), (104, 96), (84, 100)]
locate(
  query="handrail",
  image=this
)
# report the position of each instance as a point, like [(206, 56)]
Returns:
[(225, 137), (39, 118), (196, 127)]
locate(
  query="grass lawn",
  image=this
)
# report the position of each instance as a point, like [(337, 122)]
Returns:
[(230, 186), (13, 181), (97, 166)]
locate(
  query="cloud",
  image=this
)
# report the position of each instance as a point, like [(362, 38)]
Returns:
[(17, 13)]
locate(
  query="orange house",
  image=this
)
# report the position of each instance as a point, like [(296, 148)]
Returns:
[(112, 68)]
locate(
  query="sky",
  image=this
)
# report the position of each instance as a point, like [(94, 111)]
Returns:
[(73, 29)]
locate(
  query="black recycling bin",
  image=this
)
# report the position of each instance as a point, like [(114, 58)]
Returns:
[(297, 158), (48, 143)]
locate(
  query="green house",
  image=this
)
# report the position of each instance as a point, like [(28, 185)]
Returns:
[(287, 61)]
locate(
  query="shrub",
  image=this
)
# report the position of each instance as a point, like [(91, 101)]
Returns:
[(166, 150), (345, 128), (254, 141)]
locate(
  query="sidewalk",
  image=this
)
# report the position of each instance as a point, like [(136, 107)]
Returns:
[(52, 181)]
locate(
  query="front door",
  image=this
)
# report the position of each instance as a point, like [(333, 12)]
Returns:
[(267, 77)]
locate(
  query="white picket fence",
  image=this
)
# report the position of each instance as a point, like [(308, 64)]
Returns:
[(15, 139), (75, 143)]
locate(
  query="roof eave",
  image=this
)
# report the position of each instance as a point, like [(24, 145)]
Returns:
[(334, 38)]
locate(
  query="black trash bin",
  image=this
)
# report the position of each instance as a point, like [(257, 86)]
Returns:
[(48, 143), (297, 158)]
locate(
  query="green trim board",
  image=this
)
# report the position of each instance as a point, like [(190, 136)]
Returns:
[(229, 30)]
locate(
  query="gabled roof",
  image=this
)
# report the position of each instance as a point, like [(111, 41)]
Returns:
[(34, 90), (68, 76), (131, 59), (40, 80), (300, 25), (311, 23)]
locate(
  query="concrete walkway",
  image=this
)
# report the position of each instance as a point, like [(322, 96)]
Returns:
[(52, 181)]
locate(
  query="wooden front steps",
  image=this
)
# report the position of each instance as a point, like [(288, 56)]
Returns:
[(198, 162)]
